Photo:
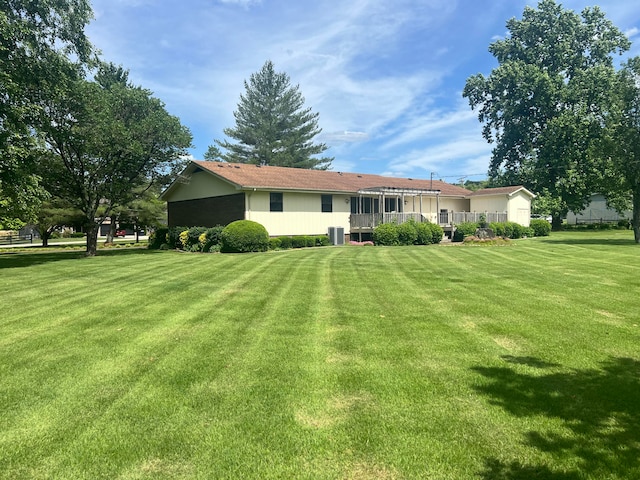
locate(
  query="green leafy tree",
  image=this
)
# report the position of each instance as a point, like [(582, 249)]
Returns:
[(53, 214), (145, 211), (272, 125), (106, 138), (545, 104), (621, 149), (37, 40)]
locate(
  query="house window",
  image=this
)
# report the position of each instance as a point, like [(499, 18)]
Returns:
[(392, 204), (364, 205), (327, 203), (275, 202)]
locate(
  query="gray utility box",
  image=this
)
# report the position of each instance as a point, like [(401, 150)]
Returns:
[(336, 235)]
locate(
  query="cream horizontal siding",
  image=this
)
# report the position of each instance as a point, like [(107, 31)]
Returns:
[(302, 213), (497, 203), (201, 185), (454, 204), (519, 209), (517, 206)]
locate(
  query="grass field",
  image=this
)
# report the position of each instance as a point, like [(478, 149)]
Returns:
[(438, 362)]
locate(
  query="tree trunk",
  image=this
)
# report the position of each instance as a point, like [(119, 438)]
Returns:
[(112, 230), (92, 240), (556, 222), (635, 221), (44, 236)]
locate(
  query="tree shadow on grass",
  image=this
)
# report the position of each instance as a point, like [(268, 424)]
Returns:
[(599, 407), (28, 259)]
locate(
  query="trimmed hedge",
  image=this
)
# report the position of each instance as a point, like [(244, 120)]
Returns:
[(541, 228), (212, 239), (386, 234), (437, 233), (408, 233), (465, 229), (244, 236), (298, 241), (158, 238), (209, 240)]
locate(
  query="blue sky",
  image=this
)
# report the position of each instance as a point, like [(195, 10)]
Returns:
[(385, 76)]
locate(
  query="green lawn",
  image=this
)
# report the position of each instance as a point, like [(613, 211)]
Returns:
[(439, 362)]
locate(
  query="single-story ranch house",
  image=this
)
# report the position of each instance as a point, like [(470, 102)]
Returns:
[(293, 201)]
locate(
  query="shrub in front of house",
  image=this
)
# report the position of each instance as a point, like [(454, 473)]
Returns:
[(541, 228), (322, 241), (212, 238), (407, 233), (436, 232), (624, 224), (498, 228), (275, 243), (158, 238), (298, 242), (386, 234), (464, 229), (244, 236), (285, 242), (190, 239), (424, 234), (173, 237)]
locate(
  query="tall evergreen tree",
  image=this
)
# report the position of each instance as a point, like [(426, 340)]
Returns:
[(272, 125), (546, 102)]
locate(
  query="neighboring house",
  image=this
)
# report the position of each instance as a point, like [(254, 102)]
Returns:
[(597, 212), (293, 201)]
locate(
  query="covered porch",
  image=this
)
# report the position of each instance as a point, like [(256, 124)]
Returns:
[(374, 206)]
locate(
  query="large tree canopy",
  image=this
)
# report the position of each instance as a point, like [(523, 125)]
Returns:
[(272, 125), (105, 138), (545, 104), (620, 152), (37, 39)]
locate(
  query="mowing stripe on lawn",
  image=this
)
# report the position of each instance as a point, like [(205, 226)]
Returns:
[(351, 362)]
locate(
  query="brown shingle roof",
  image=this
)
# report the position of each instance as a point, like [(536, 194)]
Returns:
[(283, 178)]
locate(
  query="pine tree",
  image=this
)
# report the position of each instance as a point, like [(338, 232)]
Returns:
[(272, 125)]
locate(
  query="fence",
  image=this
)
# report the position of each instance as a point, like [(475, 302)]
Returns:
[(15, 239), (455, 218), (371, 220)]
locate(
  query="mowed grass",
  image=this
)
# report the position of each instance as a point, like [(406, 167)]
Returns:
[(439, 362)]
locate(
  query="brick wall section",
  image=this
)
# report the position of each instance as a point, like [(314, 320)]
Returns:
[(206, 212)]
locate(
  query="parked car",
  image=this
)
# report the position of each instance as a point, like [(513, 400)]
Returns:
[(121, 233)]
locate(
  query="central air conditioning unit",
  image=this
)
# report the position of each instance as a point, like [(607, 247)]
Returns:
[(336, 235)]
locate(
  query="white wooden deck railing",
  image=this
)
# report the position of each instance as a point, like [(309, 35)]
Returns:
[(368, 221)]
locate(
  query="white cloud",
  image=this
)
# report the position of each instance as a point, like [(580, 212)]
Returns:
[(242, 3), (464, 153), (344, 137)]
